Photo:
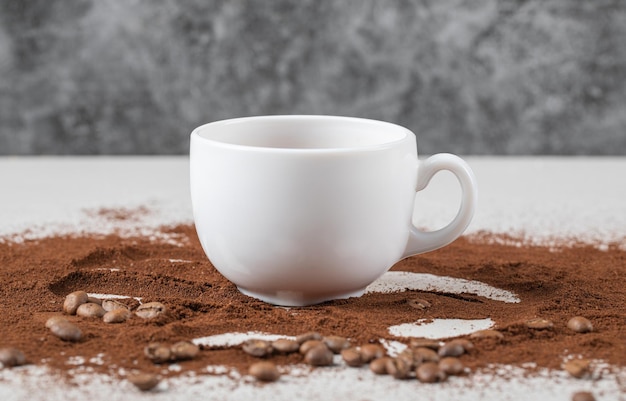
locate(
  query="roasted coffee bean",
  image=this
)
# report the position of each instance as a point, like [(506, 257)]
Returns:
[(73, 301), (580, 324), (456, 347), (424, 354), (184, 350), (94, 300), (539, 323), (336, 343), (487, 333), (285, 346), (90, 310), (398, 368), (451, 365), (578, 368), (116, 316), (66, 331), (352, 357), (453, 348), (369, 352), (311, 335), (144, 381), (157, 353), (258, 348), (307, 345), (150, 310), (424, 343), (467, 344), (583, 396), (111, 304), (411, 358), (264, 371), (419, 303), (54, 320), (10, 357), (379, 365), (319, 355), (429, 372)]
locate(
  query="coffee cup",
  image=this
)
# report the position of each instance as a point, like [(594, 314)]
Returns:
[(298, 210)]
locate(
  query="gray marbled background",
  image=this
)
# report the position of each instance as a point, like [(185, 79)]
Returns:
[(470, 77)]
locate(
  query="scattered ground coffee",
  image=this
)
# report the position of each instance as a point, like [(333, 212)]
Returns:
[(553, 284)]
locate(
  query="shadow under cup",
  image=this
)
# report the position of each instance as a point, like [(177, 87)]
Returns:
[(297, 210)]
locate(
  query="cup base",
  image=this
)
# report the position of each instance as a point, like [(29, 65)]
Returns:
[(295, 298)]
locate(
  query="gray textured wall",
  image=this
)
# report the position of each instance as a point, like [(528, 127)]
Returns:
[(471, 77)]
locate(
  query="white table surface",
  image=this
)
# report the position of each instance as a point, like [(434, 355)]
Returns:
[(540, 199)]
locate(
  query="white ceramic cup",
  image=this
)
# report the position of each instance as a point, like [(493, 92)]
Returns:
[(297, 210)]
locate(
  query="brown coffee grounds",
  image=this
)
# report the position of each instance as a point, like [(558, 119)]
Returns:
[(36, 275), (119, 214)]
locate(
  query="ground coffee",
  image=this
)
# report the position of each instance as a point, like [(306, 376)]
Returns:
[(554, 284)]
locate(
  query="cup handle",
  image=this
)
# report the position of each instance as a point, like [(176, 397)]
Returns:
[(421, 241)]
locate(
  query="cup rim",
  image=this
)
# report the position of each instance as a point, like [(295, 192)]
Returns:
[(408, 134)]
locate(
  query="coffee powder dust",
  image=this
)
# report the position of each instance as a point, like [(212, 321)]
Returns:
[(554, 285)]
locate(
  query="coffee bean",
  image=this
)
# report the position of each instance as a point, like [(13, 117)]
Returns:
[(419, 303), (264, 371), (369, 352), (144, 381), (336, 343), (319, 355), (453, 348), (150, 310), (423, 354), (398, 368), (73, 301), (90, 310), (583, 396), (257, 348), (285, 346), (184, 350), (94, 300), (424, 343), (379, 365), (411, 358), (311, 335), (54, 320), (116, 316), (487, 333), (307, 345), (352, 357), (157, 353), (10, 357), (539, 323), (66, 331), (429, 372), (467, 344), (111, 304), (451, 365), (578, 368), (580, 324)]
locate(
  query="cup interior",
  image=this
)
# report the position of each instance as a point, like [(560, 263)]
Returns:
[(303, 132)]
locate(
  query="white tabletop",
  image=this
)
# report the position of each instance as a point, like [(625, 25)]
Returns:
[(540, 199)]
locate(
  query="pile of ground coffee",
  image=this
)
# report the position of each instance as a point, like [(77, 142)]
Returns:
[(553, 284)]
